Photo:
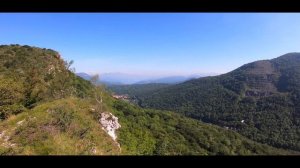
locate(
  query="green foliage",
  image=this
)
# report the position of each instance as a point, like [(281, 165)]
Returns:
[(265, 94), (136, 89), (11, 98), (40, 74), (155, 132), (61, 127)]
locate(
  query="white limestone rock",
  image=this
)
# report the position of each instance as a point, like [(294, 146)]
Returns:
[(110, 124)]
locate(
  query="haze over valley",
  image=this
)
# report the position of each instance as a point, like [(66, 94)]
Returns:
[(150, 84), (125, 79)]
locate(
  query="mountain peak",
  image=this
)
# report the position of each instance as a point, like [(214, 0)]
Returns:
[(289, 56)]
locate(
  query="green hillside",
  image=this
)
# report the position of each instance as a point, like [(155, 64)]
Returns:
[(29, 75), (60, 127), (155, 132), (47, 110), (260, 100), (136, 89)]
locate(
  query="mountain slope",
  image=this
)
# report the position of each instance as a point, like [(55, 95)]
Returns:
[(43, 106), (70, 127), (30, 75), (61, 127), (47, 110), (136, 89), (260, 100), (155, 132)]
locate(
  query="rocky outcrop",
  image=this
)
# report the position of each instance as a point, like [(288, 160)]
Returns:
[(110, 124)]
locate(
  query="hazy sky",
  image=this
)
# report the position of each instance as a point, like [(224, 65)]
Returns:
[(166, 43)]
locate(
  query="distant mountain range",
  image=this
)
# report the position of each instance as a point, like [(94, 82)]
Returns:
[(104, 79), (170, 79), (84, 75), (126, 79)]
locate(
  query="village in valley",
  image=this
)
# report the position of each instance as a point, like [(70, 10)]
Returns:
[(120, 97)]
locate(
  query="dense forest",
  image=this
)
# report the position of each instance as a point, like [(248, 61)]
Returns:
[(155, 132), (135, 90), (260, 100), (46, 109)]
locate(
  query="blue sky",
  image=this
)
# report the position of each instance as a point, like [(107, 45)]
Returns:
[(156, 43)]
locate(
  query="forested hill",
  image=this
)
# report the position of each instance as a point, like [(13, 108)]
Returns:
[(30, 75), (260, 100), (45, 109), (136, 90)]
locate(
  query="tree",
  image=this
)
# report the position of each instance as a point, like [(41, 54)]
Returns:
[(98, 90), (62, 84), (11, 97), (31, 81)]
